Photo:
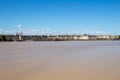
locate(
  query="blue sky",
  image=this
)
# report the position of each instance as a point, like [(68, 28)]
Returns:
[(60, 16)]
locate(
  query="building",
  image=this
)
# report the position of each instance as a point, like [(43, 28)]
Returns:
[(104, 37)]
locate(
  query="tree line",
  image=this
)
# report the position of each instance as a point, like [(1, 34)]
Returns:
[(4, 38)]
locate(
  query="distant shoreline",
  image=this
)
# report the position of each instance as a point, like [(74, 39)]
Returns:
[(84, 37)]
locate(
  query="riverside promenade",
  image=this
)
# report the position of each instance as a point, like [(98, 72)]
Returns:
[(60, 60)]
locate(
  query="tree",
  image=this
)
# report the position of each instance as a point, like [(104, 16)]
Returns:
[(119, 37), (2, 38)]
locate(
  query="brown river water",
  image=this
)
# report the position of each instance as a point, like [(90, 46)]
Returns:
[(60, 60)]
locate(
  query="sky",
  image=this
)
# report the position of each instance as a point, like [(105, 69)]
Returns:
[(60, 16)]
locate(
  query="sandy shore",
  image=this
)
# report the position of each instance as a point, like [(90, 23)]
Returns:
[(67, 60)]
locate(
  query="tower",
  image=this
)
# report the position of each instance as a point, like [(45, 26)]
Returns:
[(19, 33)]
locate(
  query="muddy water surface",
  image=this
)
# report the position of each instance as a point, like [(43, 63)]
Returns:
[(67, 60)]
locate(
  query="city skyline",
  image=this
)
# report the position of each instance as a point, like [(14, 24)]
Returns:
[(60, 16)]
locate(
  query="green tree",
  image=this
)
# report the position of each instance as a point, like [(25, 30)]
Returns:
[(119, 36), (2, 38), (9, 39)]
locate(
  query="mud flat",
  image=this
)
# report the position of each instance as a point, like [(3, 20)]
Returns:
[(67, 60)]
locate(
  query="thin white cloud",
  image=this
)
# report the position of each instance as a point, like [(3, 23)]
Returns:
[(8, 32), (103, 32), (19, 26), (31, 31), (0, 29)]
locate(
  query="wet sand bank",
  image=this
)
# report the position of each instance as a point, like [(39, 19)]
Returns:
[(64, 60)]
